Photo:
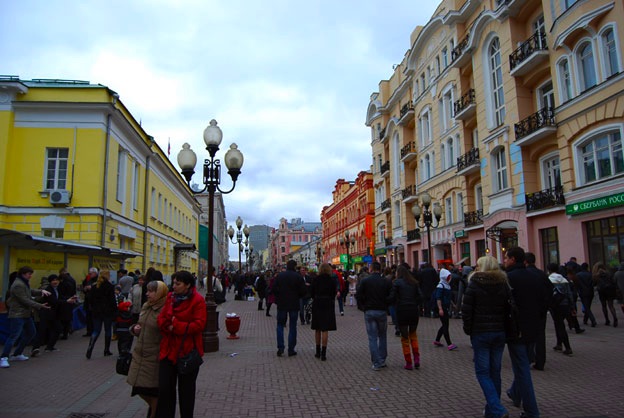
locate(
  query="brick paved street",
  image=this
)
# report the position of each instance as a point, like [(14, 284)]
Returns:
[(246, 378)]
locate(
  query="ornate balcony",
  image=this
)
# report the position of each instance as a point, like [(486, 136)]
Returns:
[(469, 162), (385, 206), (532, 51), (473, 218), (460, 55), (535, 127), (545, 199), (388, 241), (385, 169), (408, 152), (382, 134), (409, 194), (406, 114), (413, 235), (465, 107)]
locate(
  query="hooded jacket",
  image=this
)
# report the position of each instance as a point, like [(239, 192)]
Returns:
[(485, 302)]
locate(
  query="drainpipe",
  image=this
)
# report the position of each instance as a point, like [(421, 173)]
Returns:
[(105, 191), (146, 197)]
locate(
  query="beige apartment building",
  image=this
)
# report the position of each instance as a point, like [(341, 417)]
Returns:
[(509, 114)]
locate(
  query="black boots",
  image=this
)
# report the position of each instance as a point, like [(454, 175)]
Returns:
[(260, 305), (318, 351), (107, 341), (91, 345), (324, 353)]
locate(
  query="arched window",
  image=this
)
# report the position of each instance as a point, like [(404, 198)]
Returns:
[(587, 67), (609, 47), (496, 75), (442, 157), (600, 156), (565, 80)]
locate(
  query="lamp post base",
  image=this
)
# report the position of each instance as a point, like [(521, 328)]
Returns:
[(209, 336)]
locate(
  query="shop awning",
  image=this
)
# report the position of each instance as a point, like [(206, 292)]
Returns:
[(16, 239)]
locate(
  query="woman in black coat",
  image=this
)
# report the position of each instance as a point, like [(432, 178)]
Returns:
[(104, 309), (407, 296), (323, 291)]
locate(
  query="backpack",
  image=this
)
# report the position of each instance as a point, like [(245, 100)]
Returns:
[(557, 297)]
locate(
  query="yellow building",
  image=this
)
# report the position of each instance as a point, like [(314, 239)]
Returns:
[(84, 185), (509, 113)]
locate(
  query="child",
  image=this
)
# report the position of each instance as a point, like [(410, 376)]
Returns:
[(123, 322)]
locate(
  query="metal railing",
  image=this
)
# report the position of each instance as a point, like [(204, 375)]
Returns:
[(406, 108), (538, 120), (413, 234), (468, 159), (409, 191), (385, 167), (537, 42), (545, 199), (473, 218), (409, 148), (459, 49), (464, 101), (385, 204)]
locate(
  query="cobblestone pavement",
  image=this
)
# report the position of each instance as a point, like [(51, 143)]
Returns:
[(245, 378)]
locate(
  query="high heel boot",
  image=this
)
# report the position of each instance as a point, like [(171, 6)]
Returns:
[(324, 353), (107, 341), (91, 345), (318, 351)]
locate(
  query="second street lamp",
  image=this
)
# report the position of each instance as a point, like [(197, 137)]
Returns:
[(187, 159), (427, 218), (240, 231), (347, 243)]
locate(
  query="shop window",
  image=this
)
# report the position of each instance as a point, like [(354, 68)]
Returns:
[(606, 241), (464, 249), (550, 246), (481, 250)]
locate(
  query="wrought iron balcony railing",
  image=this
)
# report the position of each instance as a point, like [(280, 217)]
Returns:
[(459, 49), (408, 149), (385, 204), (388, 241), (468, 159), (537, 42), (465, 101), (538, 120), (409, 191), (385, 167), (545, 199), (406, 108), (473, 218), (413, 234)]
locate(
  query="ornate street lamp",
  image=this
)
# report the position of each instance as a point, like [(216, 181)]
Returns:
[(240, 231), (187, 159), (346, 242), (249, 258), (427, 218)]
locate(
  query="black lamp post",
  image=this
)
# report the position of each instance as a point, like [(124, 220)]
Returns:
[(319, 254), (187, 159), (427, 218), (346, 242), (240, 231), (249, 257)]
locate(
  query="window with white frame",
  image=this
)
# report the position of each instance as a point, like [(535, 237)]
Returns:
[(479, 197), (121, 174), (500, 169), (153, 212), (381, 233), (443, 164), (446, 110), (565, 80), (445, 57), (496, 77), (459, 207), (396, 157), (424, 124), (56, 168), (433, 172), (451, 153), (438, 69), (427, 168), (539, 26), (423, 82), (586, 67), (160, 210), (52, 233), (610, 52), (416, 92), (165, 214), (601, 156), (397, 214), (135, 186), (448, 205), (546, 96), (551, 173)]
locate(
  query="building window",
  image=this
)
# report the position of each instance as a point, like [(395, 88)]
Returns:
[(397, 214), (609, 48), (153, 202), (500, 170), (479, 197), (565, 80), (442, 157), (159, 207), (496, 74), (424, 125), (606, 240), (601, 157), (121, 175), (587, 66), (464, 249), (480, 243), (56, 168), (551, 172), (427, 168), (381, 233), (445, 62), (550, 245), (459, 205), (448, 205), (135, 186), (53, 233), (451, 153), (446, 110), (546, 96)]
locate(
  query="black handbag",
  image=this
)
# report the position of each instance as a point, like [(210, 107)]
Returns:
[(189, 363), (123, 363)]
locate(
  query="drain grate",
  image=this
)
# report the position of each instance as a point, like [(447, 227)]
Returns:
[(87, 415)]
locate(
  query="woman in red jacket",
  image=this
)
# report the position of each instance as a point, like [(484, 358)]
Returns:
[(184, 312)]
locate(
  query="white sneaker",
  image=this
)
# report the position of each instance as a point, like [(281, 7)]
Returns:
[(21, 357), (4, 362)]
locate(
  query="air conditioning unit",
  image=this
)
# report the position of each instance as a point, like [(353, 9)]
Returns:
[(60, 197)]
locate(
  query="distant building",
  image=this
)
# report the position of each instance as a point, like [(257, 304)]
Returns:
[(289, 236), (220, 242)]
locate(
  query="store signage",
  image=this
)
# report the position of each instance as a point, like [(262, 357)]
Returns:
[(357, 259), (595, 204), (39, 260), (380, 251), (461, 234), (367, 259)]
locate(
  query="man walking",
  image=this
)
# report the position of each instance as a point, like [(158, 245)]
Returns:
[(529, 293), (288, 288), (371, 297), (537, 353)]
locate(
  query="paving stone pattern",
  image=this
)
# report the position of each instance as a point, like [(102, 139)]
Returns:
[(245, 378)]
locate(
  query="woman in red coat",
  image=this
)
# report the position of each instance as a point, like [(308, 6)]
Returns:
[(184, 312)]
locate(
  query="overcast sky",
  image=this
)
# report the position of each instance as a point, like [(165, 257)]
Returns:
[(288, 81)]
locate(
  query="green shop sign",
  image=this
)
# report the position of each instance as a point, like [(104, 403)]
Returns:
[(380, 251), (595, 204)]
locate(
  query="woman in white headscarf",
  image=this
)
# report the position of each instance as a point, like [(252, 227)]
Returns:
[(443, 297)]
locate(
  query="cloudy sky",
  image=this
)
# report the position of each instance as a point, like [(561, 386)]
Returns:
[(288, 81)]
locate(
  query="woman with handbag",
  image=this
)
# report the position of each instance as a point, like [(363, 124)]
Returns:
[(484, 310), (181, 322), (103, 305), (143, 373)]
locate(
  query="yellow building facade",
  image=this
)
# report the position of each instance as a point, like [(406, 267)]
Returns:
[(84, 185), (509, 114)]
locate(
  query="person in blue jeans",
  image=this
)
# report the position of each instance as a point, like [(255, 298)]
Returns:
[(371, 296), (21, 325), (483, 314), (288, 288)]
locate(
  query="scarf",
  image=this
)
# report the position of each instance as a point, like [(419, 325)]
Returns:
[(161, 292), (178, 299)]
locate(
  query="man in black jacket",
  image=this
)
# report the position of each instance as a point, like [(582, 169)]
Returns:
[(371, 296), (528, 291), (538, 350), (288, 288)]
